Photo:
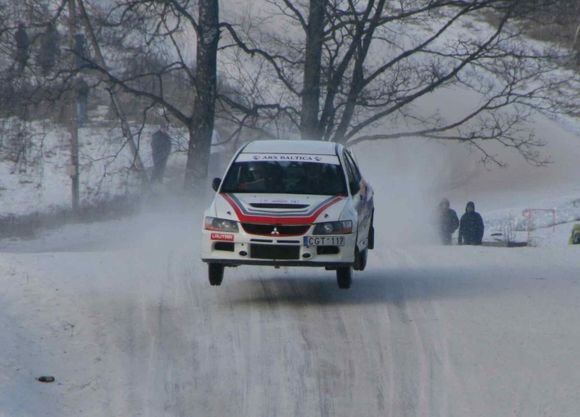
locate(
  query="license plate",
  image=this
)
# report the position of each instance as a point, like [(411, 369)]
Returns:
[(222, 236), (323, 241)]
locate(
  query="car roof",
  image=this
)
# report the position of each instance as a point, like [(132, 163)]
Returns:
[(298, 146)]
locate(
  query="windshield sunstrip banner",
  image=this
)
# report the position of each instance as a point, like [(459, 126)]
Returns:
[(258, 216), (288, 157)]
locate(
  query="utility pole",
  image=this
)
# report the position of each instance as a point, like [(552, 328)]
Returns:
[(73, 127)]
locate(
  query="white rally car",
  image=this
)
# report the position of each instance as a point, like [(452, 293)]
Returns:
[(290, 203)]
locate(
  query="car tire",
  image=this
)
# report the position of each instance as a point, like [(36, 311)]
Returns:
[(360, 259), (344, 277), (216, 274), (371, 237)]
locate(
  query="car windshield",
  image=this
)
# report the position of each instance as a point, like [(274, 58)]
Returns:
[(285, 177)]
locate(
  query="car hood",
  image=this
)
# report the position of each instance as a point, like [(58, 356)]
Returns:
[(274, 208)]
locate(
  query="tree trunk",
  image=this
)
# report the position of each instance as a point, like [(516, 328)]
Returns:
[(312, 64), (201, 126), (197, 156)]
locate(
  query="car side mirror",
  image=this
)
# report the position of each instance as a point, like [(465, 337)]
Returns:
[(215, 184)]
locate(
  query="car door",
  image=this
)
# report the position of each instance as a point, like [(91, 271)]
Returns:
[(362, 196)]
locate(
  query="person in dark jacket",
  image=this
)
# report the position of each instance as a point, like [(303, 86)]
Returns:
[(49, 52), (160, 150), (22, 47), (82, 89), (448, 221), (470, 226)]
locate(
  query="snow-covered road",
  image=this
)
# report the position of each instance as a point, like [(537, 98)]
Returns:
[(123, 317)]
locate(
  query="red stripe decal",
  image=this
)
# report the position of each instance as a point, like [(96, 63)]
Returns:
[(276, 219)]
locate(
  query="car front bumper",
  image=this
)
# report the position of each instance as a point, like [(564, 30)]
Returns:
[(247, 249)]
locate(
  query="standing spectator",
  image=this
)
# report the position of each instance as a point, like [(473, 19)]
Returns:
[(448, 221), (22, 47), (160, 150), (49, 51), (81, 51), (470, 226), (82, 90)]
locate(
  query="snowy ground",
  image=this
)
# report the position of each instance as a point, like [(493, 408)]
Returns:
[(121, 314)]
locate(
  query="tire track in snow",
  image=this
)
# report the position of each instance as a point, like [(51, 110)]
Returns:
[(422, 362), (281, 343)]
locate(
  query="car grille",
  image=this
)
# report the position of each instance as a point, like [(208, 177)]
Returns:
[(225, 246), (274, 251), (327, 250), (279, 206), (275, 230)]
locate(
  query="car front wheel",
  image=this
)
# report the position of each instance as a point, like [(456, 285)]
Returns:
[(216, 274), (344, 277)]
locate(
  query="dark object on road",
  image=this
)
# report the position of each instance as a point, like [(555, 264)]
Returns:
[(46, 379)]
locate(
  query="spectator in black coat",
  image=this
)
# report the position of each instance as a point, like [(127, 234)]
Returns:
[(448, 221), (49, 52), (470, 226), (22, 47), (82, 89), (160, 150)]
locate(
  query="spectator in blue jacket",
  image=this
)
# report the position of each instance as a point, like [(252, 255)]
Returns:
[(470, 226)]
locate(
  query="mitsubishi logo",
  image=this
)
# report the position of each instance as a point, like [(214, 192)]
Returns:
[(275, 231)]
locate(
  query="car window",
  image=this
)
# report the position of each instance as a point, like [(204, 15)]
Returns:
[(354, 165), (354, 177), (287, 177)]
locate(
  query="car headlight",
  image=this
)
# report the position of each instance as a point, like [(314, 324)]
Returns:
[(333, 228), (221, 225)]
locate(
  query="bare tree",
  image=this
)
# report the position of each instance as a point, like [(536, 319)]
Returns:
[(337, 70), (377, 60), (182, 83)]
